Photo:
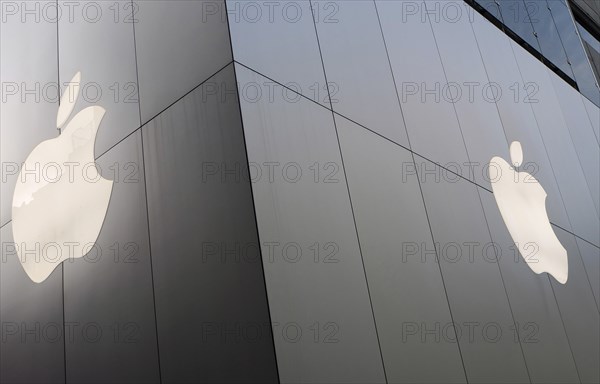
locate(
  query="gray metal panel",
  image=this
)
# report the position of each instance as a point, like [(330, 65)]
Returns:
[(515, 111), (591, 261), (356, 61), (561, 152), (541, 331), (430, 118), (478, 301), (594, 115), (98, 41), (110, 289), (475, 103), (408, 294), (579, 312), (29, 76), (278, 39), (179, 44), (581, 133), (211, 304), (32, 321), (322, 318)]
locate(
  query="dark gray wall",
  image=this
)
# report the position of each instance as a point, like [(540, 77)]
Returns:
[(156, 279), (211, 306)]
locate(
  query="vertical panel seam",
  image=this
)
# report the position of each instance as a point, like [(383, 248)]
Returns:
[(62, 267), (146, 194), (421, 192), (348, 191), (512, 315), (506, 136), (251, 188)]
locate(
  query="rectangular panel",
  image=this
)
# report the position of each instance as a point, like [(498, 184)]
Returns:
[(179, 44), (581, 133), (594, 114), (474, 96), (515, 111), (579, 312), (96, 38), (538, 320), (408, 293), (29, 74), (211, 304), (476, 292), (561, 152), (320, 306), (431, 121), (108, 293), (32, 348), (590, 255), (350, 45), (278, 39)]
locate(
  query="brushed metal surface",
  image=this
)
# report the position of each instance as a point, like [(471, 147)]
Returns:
[(320, 307), (211, 304)]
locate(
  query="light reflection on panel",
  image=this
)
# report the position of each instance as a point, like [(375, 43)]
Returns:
[(473, 280), (581, 133), (559, 146), (543, 337), (111, 287), (278, 39), (29, 76), (578, 59), (179, 44), (516, 16), (356, 61), (405, 284), (551, 45), (475, 101), (211, 304), (421, 83), (99, 43), (491, 6), (515, 111), (32, 321), (313, 269), (579, 312)]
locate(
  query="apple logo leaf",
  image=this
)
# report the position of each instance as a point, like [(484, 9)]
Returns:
[(68, 100), (516, 154)]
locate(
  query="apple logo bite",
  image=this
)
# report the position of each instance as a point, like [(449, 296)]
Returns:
[(60, 200), (522, 203)]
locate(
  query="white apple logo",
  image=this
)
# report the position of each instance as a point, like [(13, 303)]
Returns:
[(522, 203), (60, 201)]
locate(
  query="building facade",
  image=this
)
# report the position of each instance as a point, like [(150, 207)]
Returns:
[(302, 191)]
